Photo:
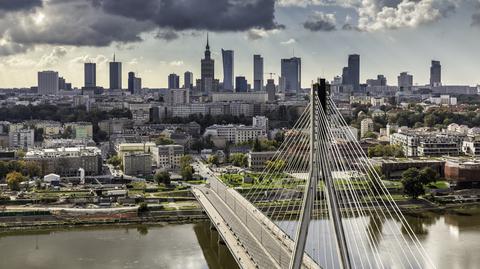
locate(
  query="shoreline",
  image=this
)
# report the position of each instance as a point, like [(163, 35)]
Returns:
[(178, 217)]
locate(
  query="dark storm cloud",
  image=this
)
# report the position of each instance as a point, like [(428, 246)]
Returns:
[(320, 22), (103, 22), (16, 5), (212, 15), (167, 35)]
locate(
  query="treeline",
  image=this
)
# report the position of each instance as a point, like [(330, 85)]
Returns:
[(435, 118), (20, 113), (63, 114)]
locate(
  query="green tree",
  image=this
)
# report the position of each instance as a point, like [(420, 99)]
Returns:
[(67, 133), (413, 187), (115, 161), (257, 147), (32, 169), (14, 179), (277, 165), (375, 178), (185, 160), (164, 141), (412, 184), (162, 177), (370, 135), (427, 175), (197, 145), (239, 159), (187, 173), (213, 159)]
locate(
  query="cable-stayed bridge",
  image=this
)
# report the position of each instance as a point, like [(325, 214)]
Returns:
[(317, 204)]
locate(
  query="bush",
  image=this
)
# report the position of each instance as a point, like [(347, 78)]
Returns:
[(143, 207)]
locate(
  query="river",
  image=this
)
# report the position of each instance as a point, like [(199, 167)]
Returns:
[(452, 240)]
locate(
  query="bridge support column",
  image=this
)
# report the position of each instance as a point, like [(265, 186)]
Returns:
[(308, 196)]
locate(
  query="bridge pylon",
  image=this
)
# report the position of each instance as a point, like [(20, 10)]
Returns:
[(319, 171)]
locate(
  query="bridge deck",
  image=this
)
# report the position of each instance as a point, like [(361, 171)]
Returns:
[(239, 253), (264, 242)]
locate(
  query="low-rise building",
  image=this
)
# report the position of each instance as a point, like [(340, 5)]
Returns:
[(168, 156), (471, 146), (257, 160), (124, 148), (22, 138), (67, 161), (80, 129), (366, 125), (235, 133), (136, 164), (417, 143), (463, 174)]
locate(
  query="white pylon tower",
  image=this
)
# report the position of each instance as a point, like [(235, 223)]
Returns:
[(319, 171)]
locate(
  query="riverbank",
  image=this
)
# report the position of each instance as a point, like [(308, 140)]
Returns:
[(20, 218)]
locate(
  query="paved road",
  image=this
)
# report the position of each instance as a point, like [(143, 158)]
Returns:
[(231, 239), (243, 214)]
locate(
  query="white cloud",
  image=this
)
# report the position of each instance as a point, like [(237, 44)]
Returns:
[(374, 15), (52, 58), (289, 42), (256, 33), (99, 59), (176, 63)]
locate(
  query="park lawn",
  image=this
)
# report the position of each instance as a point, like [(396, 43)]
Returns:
[(439, 185)]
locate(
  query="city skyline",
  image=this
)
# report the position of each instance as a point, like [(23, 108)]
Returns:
[(311, 30)]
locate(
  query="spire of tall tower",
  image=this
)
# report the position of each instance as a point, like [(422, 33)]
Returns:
[(207, 49), (114, 57), (208, 43)]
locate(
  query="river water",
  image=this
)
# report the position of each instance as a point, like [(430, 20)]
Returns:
[(452, 240)]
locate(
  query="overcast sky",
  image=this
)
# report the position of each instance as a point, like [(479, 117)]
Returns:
[(158, 37)]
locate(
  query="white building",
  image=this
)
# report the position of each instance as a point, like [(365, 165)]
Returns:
[(444, 100), (235, 133), (416, 143), (168, 156), (260, 122), (22, 138), (471, 146), (366, 126)]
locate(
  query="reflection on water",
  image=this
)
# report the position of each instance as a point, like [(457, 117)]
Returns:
[(452, 240), (188, 246)]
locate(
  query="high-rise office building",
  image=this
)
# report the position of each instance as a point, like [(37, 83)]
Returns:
[(270, 88), (173, 81), (405, 81), (188, 80), (90, 72), (354, 71), (115, 75), (291, 75), (48, 83), (257, 72), (131, 82), (228, 65), (241, 84), (207, 76), (436, 74), (345, 77), (62, 84), (137, 85)]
